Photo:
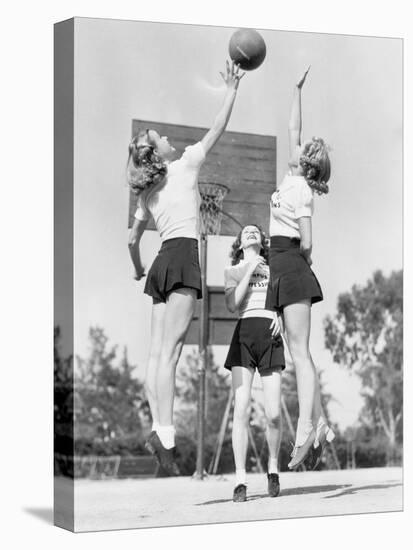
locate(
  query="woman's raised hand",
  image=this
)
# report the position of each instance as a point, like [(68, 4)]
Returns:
[(255, 262), (232, 76), (300, 83)]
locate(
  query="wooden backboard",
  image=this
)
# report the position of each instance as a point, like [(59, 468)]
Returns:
[(246, 163), (221, 321)]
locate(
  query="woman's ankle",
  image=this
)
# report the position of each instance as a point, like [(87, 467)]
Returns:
[(240, 477), (304, 428), (167, 436)]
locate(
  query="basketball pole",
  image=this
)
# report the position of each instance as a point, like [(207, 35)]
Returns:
[(203, 360), (210, 210), (213, 468)]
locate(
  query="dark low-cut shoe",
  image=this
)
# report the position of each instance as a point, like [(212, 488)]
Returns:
[(273, 485), (325, 436), (165, 457), (299, 454), (240, 493), (148, 443)]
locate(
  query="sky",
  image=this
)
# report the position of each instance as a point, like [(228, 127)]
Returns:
[(170, 73)]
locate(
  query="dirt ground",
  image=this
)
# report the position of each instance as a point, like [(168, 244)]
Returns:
[(126, 504)]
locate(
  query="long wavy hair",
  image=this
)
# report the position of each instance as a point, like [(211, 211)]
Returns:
[(315, 163), (237, 254), (145, 166)]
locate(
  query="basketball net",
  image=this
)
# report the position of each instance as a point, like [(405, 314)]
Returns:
[(212, 195)]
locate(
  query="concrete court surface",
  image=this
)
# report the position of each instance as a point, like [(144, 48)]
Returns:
[(136, 503)]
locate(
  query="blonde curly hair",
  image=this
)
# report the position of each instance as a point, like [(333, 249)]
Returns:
[(145, 167), (315, 163)]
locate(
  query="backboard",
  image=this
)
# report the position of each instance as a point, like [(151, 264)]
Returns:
[(246, 163), (221, 322)]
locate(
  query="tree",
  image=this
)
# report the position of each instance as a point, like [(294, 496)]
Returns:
[(110, 403), (62, 408), (366, 336)]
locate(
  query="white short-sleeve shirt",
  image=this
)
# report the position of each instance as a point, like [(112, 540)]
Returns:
[(253, 304), (174, 203), (292, 200)]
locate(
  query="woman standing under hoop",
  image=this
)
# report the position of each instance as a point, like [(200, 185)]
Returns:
[(293, 287), (256, 344), (168, 191)]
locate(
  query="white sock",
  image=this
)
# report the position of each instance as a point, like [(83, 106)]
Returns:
[(240, 477), (304, 427), (320, 425), (321, 422), (167, 436), (330, 435), (273, 466), (155, 426)]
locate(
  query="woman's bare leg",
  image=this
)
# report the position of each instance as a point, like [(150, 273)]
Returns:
[(179, 311), (241, 382), (271, 385), (157, 323), (318, 414), (297, 319)]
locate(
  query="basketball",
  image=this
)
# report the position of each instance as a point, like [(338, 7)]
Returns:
[(247, 48)]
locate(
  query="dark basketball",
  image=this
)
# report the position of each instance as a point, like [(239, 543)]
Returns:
[(247, 48)]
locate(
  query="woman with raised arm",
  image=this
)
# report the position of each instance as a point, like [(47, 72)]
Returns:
[(256, 344), (168, 191), (293, 287)]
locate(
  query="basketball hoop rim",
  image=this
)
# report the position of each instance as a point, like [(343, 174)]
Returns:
[(221, 186)]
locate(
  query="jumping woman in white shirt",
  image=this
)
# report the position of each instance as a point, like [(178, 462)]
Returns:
[(256, 344), (293, 287), (168, 191)]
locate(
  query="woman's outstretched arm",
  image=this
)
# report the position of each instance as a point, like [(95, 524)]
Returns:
[(295, 122), (231, 79)]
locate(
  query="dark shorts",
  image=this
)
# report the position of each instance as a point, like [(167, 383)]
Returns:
[(291, 278), (175, 266), (252, 346)]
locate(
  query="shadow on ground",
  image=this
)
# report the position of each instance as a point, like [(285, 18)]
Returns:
[(45, 514), (355, 490), (285, 493)]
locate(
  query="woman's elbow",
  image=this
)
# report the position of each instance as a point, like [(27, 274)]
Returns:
[(230, 306), (132, 241)]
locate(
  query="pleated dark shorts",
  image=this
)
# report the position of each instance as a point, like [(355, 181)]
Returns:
[(291, 278), (252, 346), (175, 266)]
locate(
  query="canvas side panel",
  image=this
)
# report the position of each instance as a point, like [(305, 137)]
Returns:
[(63, 274)]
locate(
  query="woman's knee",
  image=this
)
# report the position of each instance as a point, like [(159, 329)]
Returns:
[(274, 419), (150, 383), (170, 353), (154, 356), (241, 412), (299, 351)]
